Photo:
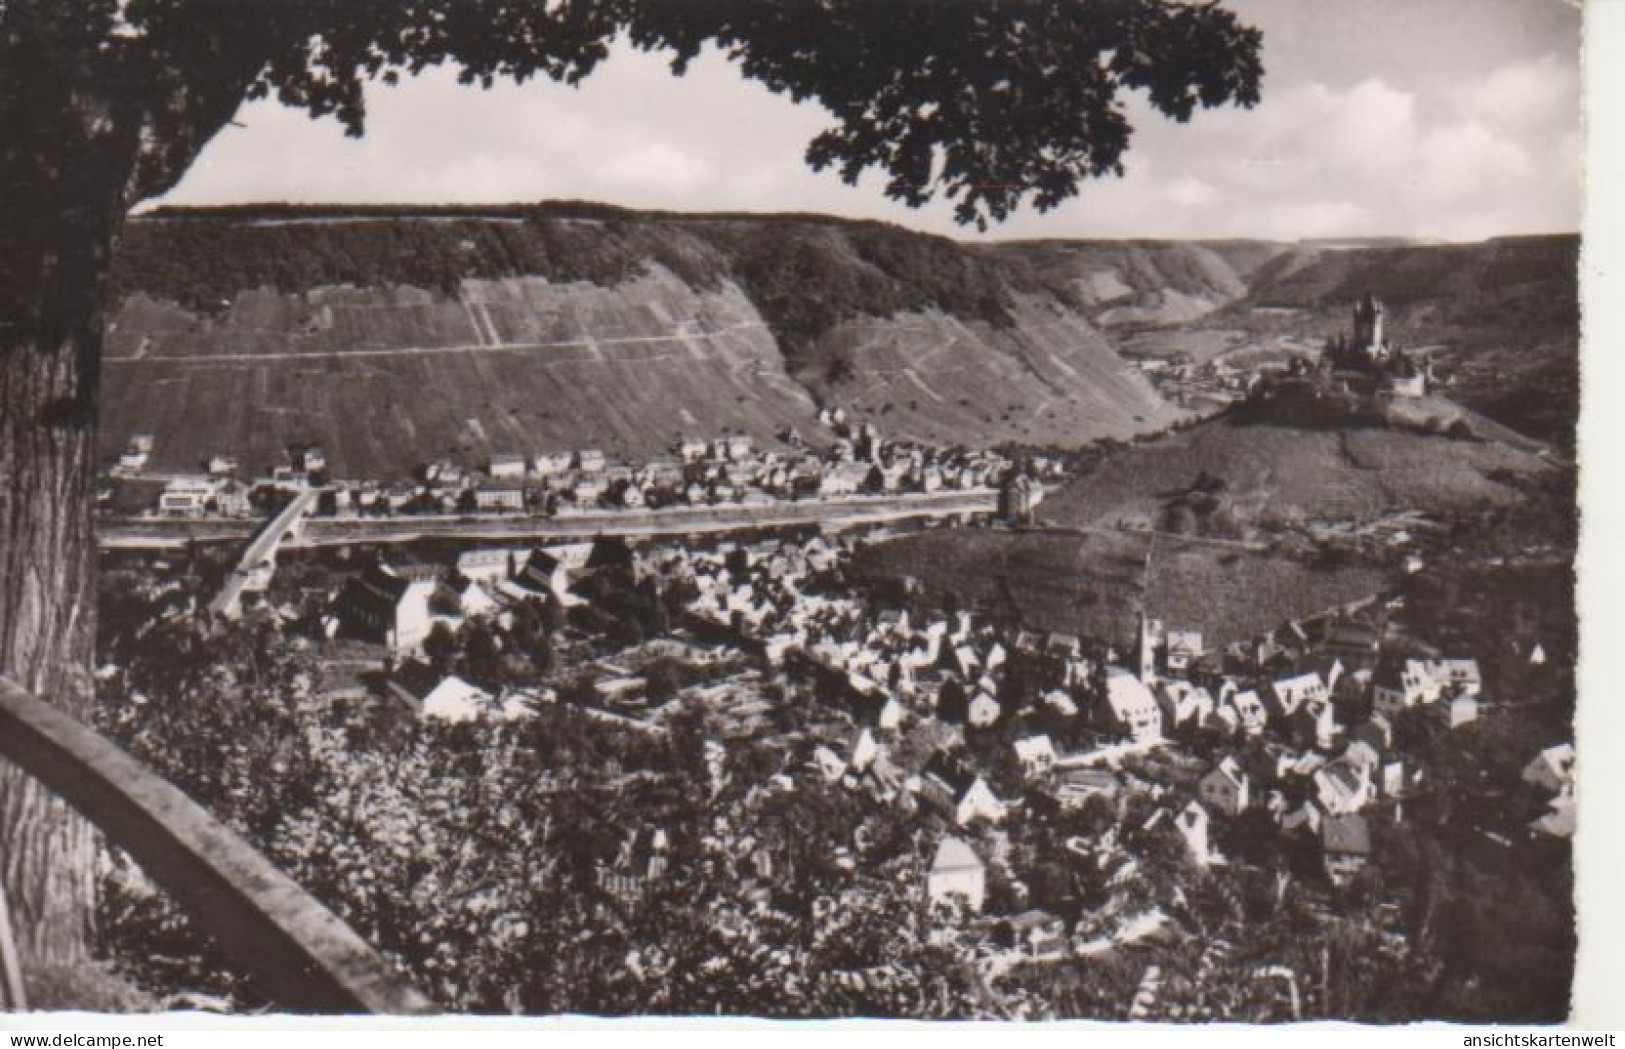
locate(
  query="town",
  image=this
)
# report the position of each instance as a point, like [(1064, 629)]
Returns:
[(1060, 790), (728, 470)]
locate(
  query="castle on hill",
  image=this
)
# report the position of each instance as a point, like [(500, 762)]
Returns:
[(1369, 353)]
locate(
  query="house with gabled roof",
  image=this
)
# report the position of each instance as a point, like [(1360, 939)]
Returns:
[(1398, 686), (1314, 724), (455, 700), (1345, 843), (379, 604), (1036, 754), (1183, 705), (1552, 770), (1342, 787), (1460, 675), (1193, 824), (1130, 707), (1183, 649), (544, 573), (1250, 713), (984, 710), (1075, 786), (1289, 693), (1225, 788), (956, 875), (950, 785)]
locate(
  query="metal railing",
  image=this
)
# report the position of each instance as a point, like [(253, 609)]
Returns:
[(297, 952)]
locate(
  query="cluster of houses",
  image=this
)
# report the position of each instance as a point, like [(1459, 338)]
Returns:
[(220, 490), (1309, 715), (399, 605), (1300, 722), (728, 470)]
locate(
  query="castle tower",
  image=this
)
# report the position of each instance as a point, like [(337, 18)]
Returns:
[(1368, 316)]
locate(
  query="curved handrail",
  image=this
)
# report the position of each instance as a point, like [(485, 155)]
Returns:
[(298, 952)]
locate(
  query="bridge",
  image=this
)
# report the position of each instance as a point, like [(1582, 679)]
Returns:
[(253, 571), (297, 952)]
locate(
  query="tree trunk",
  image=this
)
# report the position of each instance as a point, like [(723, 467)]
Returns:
[(64, 200), (49, 351)]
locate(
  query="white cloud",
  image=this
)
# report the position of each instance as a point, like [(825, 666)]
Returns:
[(1537, 93), (1190, 191), (1382, 153), (657, 166)]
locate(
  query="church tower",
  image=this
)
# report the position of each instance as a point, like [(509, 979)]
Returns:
[(1150, 641)]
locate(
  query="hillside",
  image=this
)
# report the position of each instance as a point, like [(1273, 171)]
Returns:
[(1265, 467), (1504, 316), (1135, 283), (1095, 584), (1500, 318), (394, 336), (1228, 511)]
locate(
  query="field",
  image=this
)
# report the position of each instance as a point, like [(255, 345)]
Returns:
[(1096, 584)]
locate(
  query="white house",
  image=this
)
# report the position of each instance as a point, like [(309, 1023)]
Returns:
[(1462, 675), (506, 466), (864, 751), (1459, 709), (456, 700), (1036, 754), (547, 464), (382, 605), (1250, 712), (475, 600), (490, 565), (952, 787), (1131, 707), (1183, 704), (1225, 788), (956, 875), (499, 498), (1193, 824), (1342, 788), (1398, 687), (186, 496), (1552, 770), (983, 711), (1184, 647), (1290, 693)]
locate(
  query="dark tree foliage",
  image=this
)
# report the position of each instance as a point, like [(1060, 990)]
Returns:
[(105, 103), (988, 104)]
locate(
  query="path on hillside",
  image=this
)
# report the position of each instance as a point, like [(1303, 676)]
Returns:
[(588, 343), (1083, 530)]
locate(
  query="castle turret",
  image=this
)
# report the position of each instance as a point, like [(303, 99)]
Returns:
[(1368, 316)]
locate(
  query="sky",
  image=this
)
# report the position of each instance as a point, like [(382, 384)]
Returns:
[(1431, 119)]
